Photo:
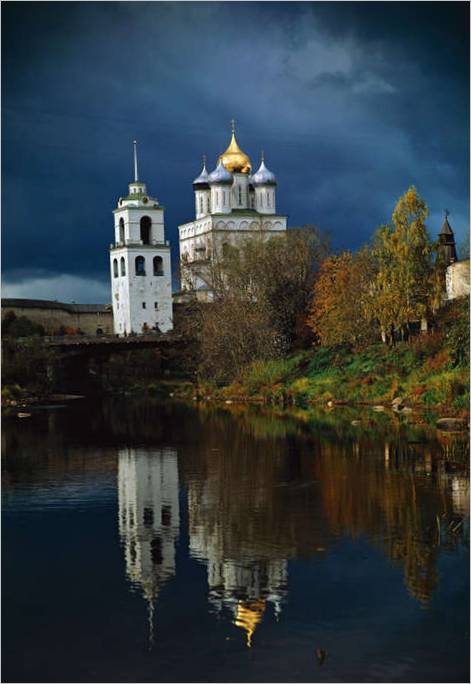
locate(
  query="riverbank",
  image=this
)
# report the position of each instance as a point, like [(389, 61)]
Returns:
[(422, 374)]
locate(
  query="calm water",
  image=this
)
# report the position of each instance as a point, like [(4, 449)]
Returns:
[(147, 542)]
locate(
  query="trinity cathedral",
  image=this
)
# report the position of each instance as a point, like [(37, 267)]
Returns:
[(231, 205)]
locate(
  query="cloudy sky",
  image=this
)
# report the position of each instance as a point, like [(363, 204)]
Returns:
[(352, 102)]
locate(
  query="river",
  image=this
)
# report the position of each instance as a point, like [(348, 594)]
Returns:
[(149, 542)]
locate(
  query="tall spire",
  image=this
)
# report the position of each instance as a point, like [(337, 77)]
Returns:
[(136, 175)]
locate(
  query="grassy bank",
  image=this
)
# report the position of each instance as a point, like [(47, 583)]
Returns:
[(428, 371)]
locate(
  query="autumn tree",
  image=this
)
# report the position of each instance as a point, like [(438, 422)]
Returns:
[(405, 257), (340, 310), (261, 287)]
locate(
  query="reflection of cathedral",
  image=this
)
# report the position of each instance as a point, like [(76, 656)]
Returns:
[(240, 580), (149, 520)]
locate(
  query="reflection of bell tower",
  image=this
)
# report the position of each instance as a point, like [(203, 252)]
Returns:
[(149, 519)]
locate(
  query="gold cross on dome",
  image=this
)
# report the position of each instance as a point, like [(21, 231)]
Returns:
[(233, 125)]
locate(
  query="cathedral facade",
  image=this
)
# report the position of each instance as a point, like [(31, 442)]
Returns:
[(232, 204)]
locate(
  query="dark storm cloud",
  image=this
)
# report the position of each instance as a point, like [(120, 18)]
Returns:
[(352, 102)]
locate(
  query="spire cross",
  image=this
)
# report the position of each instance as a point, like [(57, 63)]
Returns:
[(447, 213), (204, 160), (233, 125), (136, 176), (262, 155)]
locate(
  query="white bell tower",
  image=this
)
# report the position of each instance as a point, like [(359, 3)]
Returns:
[(141, 279)]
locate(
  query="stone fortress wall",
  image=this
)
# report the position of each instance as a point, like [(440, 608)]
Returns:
[(89, 318)]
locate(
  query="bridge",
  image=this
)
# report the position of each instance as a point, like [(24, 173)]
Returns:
[(104, 345), (79, 358)]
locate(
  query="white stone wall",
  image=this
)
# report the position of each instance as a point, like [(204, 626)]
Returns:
[(457, 279), (240, 191), (132, 224), (265, 199), (131, 291), (202, 203), (204, 238), (220, 199)]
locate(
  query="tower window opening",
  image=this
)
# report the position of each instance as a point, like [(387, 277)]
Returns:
[(156, 551), (143, 305), (201, 205), (240, 196), (208, 205), (158, 266), (268, 199), (148, 517), (123, 267), (145, 224), (115, 268), (140, 266), (121, 230), (156, 305), (166, 516)]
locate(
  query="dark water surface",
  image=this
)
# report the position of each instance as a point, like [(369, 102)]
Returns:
[(147, 542)]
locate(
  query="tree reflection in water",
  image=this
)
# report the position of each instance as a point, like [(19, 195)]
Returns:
[(263, 487)]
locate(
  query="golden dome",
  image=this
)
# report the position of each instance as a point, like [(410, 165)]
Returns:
[(234, 159)]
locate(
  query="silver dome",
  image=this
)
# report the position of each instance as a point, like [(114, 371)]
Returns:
[(201, 183), (220, 176), (263, 176)]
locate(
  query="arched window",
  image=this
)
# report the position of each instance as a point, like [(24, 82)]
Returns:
[(123, 266), (208, 205), (268, 199), (121, 230), (115, 268), (146, 224), (140, 266), (158, 266), (201, 205), (240, 196)]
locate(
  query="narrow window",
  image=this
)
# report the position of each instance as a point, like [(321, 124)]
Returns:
[(156, 305), (121, 230), (143, 305), (268, 198), (208, 205), (115, 268), (145, 225), (123, 267), (148, 517), (140, 266), (201, 205), (166, 516), (156, 551), (158, 266), (240, 196)]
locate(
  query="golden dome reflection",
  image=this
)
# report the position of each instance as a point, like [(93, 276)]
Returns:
[(249, 614), (233, 158)]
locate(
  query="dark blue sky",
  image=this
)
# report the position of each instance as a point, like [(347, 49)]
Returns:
[(352, 103)]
